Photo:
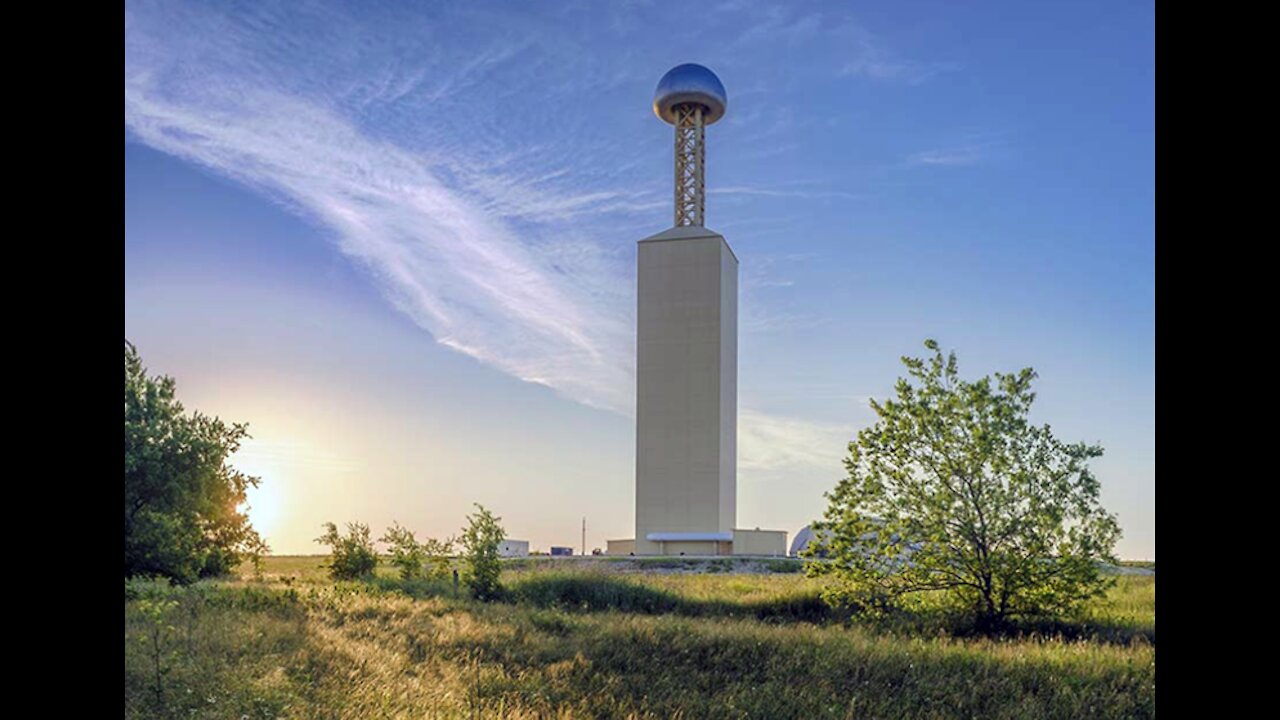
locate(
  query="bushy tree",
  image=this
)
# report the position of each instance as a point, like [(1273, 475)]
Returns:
[(953, 489), (428, 558), (480, 541), (256, 550), (351, 557), (407, 554), (181, 497), (439, 554)]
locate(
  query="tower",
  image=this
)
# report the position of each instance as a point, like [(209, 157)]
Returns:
[(687, 356), (687, 348)]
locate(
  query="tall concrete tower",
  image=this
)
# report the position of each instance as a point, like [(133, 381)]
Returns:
[(687, 348), (687, 356)]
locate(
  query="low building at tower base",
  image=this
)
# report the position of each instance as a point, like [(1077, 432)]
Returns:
[(767, 543)]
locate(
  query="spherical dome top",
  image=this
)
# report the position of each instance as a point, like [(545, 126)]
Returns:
[(690, 83)]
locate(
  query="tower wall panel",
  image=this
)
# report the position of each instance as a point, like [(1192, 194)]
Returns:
[(686, 384)]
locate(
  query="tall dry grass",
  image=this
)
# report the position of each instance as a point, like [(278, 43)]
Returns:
[(604, 645)]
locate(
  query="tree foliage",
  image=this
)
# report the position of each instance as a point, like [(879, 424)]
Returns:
[(407, 554), (480, 541), (428, 558), (351, 556), (953, 489), (181, 497), (439, 556)]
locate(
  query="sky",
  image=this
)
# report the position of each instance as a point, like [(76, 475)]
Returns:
[(399, 239)]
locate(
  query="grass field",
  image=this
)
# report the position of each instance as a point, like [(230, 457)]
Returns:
[(606, 640)]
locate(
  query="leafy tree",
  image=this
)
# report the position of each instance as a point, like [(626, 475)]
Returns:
[(256, 550), (439, 554), (181, 497), (410, 556), (953, 489), (407, 553), (351, 557), (480, 541)]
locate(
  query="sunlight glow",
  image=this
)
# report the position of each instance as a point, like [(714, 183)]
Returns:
[(264, 504)]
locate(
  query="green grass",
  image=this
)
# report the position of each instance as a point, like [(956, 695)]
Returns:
[(592, 642)]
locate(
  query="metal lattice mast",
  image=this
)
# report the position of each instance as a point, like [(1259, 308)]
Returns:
[(690, 186), (690, 97)]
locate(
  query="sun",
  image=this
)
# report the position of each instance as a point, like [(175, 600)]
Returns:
[(264, 503)]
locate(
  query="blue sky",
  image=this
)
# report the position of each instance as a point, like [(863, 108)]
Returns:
[(399, 239)]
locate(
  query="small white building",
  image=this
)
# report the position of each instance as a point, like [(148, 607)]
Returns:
[(513, 548)]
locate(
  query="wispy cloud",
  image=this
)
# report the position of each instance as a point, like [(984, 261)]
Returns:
[(440, 252), (967, 155), (873, 60), (863, 53), (873, 65), (263, 456), (969, 148), (769, 442), (483, 238), (777, 192), (774, 23)]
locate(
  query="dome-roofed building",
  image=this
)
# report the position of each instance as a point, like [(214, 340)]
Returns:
[(807, 536), (804, 537)]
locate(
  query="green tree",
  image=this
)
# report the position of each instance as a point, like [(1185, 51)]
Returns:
[(351, 557), (407, 554), (480, 541), (181, 497), (439, 555), (953, 489), (430, 557)]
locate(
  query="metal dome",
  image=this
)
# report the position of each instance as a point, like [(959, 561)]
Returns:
[(806, 537), (690, 83)]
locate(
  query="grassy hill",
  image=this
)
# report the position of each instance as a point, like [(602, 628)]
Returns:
[(609, 640)]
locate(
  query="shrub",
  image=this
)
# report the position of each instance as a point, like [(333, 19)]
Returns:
[(480, 540), (407, 554), (352, 556), (439, 555), (783, 566)]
